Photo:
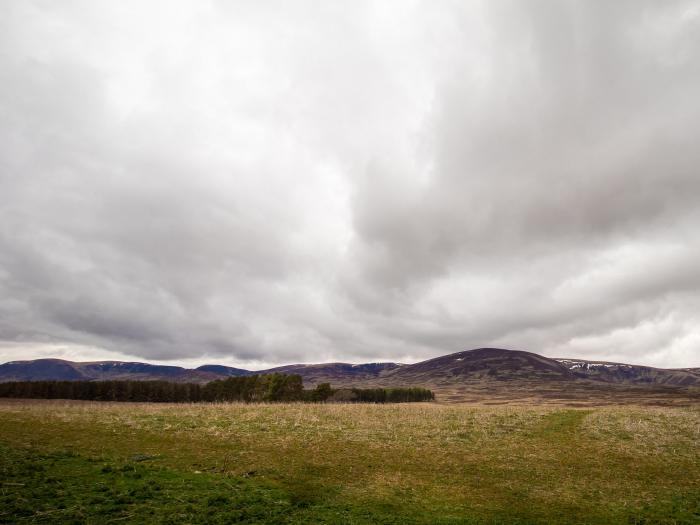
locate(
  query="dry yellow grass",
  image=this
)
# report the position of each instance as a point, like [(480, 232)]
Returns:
[(453, 459)]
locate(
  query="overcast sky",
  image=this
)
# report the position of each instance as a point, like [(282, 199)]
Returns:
[(261, 183)]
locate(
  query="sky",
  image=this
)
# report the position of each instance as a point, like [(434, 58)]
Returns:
[(264, 183)]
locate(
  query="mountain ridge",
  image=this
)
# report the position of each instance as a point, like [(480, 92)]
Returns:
[(480, 365)]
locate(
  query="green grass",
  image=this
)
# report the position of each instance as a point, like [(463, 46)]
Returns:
[(73, 462), (62, 487)]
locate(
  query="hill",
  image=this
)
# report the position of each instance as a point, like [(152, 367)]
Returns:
[(495, 375), (227, 371), (631, 374), (492, 374), (484, 363), (338, 374), (60, 370)]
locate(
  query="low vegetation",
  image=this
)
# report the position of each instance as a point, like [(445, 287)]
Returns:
[(248, 389), (87, 462)]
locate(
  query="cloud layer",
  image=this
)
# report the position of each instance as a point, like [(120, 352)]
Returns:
[(265, 183)]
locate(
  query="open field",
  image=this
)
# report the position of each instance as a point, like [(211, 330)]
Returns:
[(585, 394), (88, 462)]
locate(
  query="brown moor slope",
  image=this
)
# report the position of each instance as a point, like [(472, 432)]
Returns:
[(485, 374)]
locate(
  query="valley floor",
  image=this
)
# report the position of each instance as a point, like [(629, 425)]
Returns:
[(583, 394), (90, 462)]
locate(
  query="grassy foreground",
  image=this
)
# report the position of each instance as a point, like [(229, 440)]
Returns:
[(88, 462)]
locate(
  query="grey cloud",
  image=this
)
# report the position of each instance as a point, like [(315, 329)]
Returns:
[(246, 184), (580, 141)]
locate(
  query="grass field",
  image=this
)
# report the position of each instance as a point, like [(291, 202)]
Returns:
[(82, 462)]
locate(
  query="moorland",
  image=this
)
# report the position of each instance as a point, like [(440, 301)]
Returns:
[(98, 462), (512, 437)]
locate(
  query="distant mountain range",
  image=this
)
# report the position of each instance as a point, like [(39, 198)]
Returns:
[(479, 366)]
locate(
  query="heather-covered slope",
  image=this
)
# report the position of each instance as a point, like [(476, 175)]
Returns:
[(489, 371), (60, 370), (227, 371), (484, 364), (630, 374), (338, 374)]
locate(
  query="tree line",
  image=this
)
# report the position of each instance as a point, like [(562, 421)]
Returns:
[(324, 392), (249, 389), (254, 388)]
